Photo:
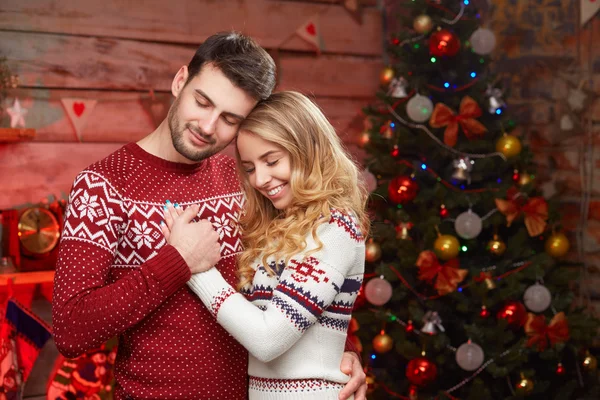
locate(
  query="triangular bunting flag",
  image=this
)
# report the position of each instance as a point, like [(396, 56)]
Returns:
[(78, 110), (589, 8), (310, 32), (354, 8)]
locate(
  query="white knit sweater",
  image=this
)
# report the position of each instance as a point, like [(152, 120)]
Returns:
[(294, 325)]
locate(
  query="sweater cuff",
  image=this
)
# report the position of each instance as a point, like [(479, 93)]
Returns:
[(211, 288), (169, 269)]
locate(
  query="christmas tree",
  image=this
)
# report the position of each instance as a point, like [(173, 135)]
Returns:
[(467, 293)]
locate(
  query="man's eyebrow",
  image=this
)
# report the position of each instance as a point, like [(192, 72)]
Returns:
[(227, 113)]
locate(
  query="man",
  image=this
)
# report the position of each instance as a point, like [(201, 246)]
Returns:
[(116, 275)]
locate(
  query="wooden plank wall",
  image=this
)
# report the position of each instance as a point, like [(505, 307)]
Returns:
[(117, 52)]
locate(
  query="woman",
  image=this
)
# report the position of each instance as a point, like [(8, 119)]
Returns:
[(303, 225)]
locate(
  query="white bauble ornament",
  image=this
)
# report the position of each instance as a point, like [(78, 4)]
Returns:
[(419, 108), (483, 41), (537, 298), (468, 225), (378, 291), (469, 356)]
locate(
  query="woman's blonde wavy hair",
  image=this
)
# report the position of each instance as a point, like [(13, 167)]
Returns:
[(322, 177)]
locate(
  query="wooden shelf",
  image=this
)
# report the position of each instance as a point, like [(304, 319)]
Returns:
[(16, 134), (27, 277)]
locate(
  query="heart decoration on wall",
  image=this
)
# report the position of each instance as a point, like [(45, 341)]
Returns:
[(310, 32), (78, 110)]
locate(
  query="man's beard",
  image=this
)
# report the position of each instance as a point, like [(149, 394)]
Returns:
[(177, 136)]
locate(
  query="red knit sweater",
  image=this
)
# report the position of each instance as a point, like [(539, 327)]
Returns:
[(117, 276)]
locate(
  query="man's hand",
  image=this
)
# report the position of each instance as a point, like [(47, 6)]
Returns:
[(197, 242), (357, 383)]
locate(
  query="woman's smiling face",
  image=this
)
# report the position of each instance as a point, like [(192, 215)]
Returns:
[(267, 167)]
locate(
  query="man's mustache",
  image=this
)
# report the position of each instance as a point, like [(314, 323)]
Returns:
[(198, 131)]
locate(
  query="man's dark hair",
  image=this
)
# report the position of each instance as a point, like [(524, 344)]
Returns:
[(247, 65)]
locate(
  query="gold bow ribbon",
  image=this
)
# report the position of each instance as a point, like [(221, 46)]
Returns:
[(535, 211), (444, 116), (447, 276), (540, 334)]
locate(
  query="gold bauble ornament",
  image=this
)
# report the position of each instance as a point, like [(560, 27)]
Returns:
[(446, 247), (524, 179), (509, 145), (524, 386), (386, 130), (589, 363), (365, 138), (383, 343), (372, 251), (371, 383), (386, 75), (557, 245), (423, 24), (496, 246)]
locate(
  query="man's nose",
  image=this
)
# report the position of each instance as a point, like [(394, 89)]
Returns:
[(208, 123)]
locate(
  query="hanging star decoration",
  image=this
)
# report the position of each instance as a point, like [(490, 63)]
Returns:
[(447, 276), (542, 335), (17, 114), (535, 210), (443, 116)]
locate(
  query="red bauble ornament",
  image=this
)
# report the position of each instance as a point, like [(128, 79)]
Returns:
[(443, 211), (420, 371), (413, 393), (402, 189), (514, 312), (484, 313), (443, 43), (515, 176)]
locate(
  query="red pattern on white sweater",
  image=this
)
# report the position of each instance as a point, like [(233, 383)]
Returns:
[(117, 276)]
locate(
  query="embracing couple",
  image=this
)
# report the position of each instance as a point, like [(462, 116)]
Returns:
[(222, 281)]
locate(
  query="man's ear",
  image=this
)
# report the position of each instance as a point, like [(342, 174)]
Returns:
[(179, 80)]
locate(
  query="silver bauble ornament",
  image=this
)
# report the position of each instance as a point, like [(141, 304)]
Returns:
[(469, 356), (468, 225), (537, 298), (419, 108), (483, 41)]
